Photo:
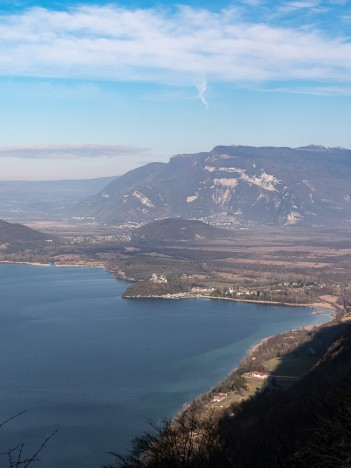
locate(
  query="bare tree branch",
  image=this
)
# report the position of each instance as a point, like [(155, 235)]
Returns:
[(35, 456), (12, 417)]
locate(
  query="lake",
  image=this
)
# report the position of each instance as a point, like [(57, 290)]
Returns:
[(79, 358)]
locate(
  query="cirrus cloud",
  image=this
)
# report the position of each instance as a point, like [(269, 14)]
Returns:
[(173, 47), (69, 151)]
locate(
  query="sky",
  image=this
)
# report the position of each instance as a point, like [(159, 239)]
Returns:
[(93, 88)]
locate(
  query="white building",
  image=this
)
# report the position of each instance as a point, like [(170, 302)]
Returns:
[(158, 278)]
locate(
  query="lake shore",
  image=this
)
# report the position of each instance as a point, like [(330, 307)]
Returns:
[(322, 304), (222, 397), (253, 349), (317, 304), (82, 264)]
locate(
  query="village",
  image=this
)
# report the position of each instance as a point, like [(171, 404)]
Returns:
[(256, 381)]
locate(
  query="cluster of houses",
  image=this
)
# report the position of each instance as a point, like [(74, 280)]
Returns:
[(219, 396), (159, 279), (198, 289), (259, 375)]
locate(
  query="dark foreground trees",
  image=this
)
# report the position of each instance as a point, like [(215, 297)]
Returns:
[(189, 440)]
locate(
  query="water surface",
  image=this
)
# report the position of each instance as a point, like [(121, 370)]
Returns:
[(79, 358)]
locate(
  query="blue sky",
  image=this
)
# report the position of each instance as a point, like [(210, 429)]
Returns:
[(91, 88)]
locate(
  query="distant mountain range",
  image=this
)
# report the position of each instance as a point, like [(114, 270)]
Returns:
[(236, 184), (23, 200)]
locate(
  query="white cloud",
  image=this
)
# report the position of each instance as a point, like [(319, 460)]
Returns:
[(314, 90), (302, 4), (310, 7), (170, 47), (68, 151)]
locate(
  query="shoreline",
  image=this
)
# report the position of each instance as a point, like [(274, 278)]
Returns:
[(206, 398), (332, 317), (314, 326), (317, 304), (321, 304), (59, 265), (329, 310), (252, 350), (313, 305), (186, 295)]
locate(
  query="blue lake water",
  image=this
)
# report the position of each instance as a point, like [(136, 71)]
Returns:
[(78, 357)]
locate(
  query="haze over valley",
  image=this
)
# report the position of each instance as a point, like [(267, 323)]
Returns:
[(30, 200)]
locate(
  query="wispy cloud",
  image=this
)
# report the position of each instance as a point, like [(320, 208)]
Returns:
[(302, 4), (314, 90), (69, 151), (170, 47), (310, 7)]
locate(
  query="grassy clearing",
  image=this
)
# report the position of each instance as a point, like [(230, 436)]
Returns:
[(295, 366)]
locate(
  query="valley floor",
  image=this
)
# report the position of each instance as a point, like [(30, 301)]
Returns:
[(285, 266)]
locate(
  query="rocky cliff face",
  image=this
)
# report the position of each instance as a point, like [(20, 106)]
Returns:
[(271, 186)]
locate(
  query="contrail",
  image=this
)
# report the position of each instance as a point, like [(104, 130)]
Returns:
[(201, 87)]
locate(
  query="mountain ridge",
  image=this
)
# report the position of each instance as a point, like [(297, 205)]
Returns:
[(240, 184), (15, 234)]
